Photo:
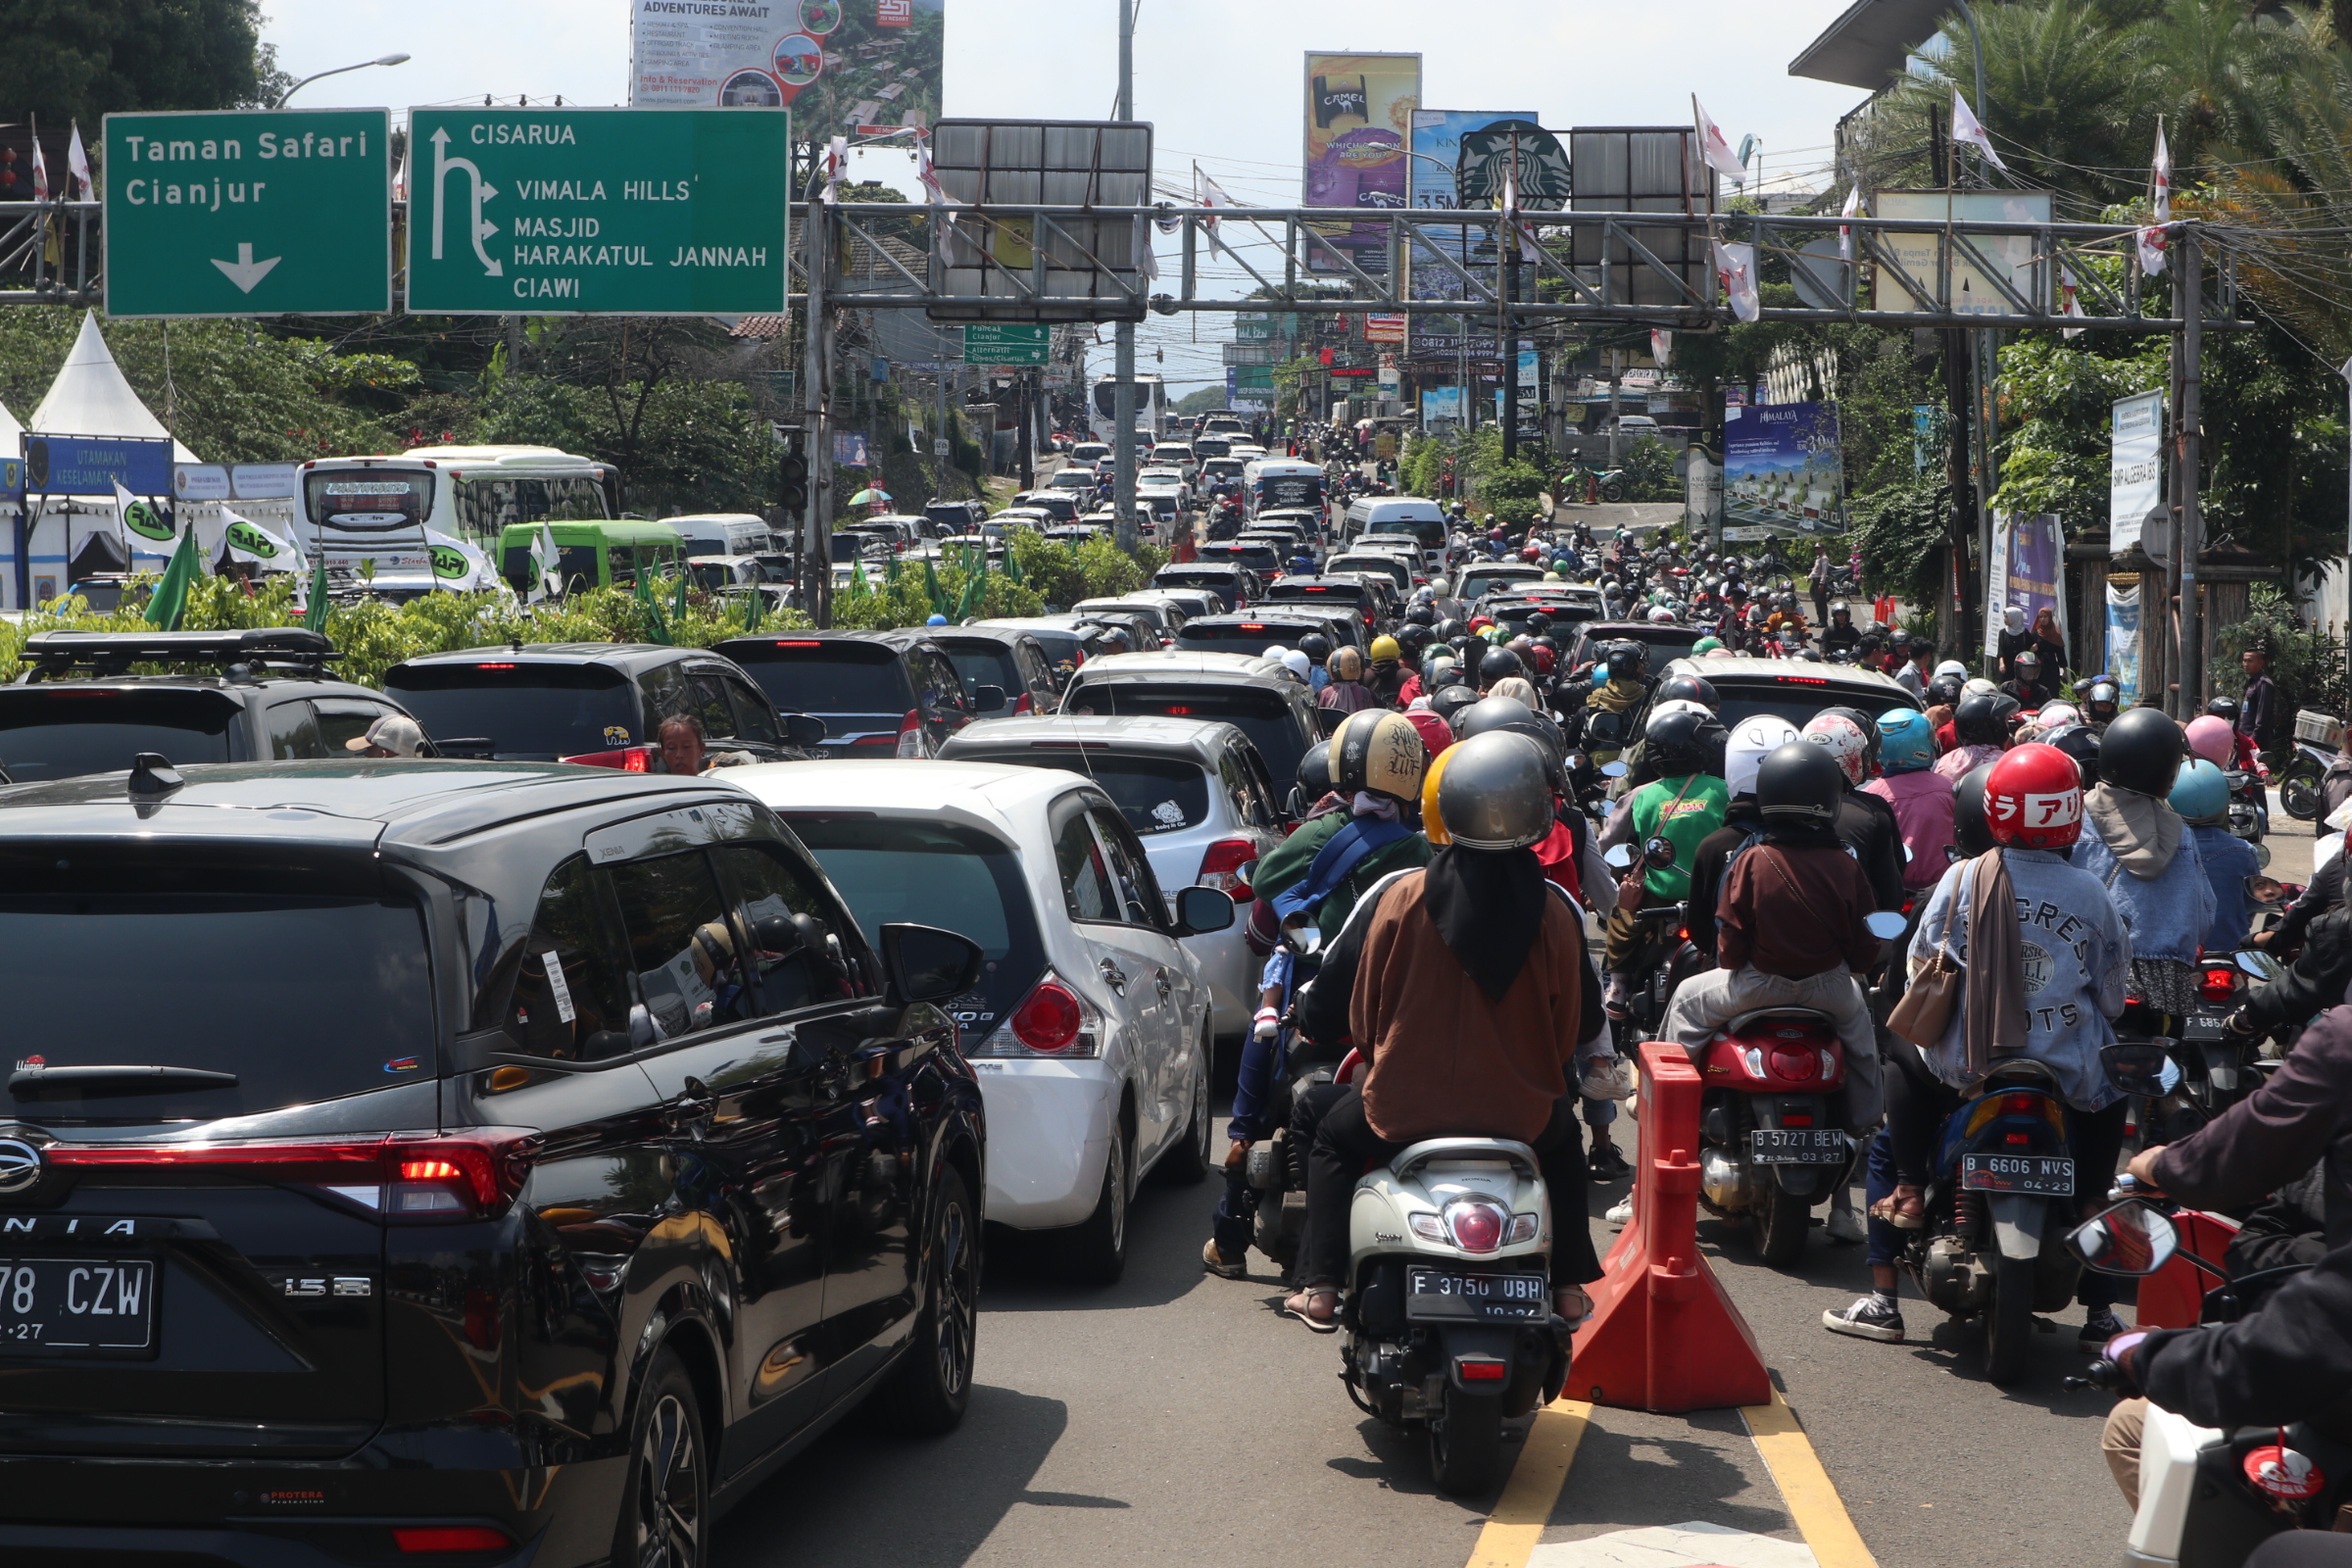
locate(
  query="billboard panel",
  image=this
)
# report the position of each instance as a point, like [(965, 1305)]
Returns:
[(839, 64), (1359, 121), (1973, 291), (1781, 470), (2135, 474), (1437, 147)]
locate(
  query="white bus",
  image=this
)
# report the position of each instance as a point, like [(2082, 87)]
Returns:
[(377, 517), (1151, 407)]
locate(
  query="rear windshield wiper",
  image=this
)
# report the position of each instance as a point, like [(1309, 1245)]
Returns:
[(40, 1083)]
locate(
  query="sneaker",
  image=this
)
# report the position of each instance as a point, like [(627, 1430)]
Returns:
[(1215, 1262), (1846, 1226), (2099, 1327), (1872, 1317), (1606, 1078), (1619, 1215), (1607, 1164)]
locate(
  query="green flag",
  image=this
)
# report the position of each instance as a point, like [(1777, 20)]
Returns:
[(677, 612), (857, 582), (170, 601), (656, 629), (933, 591), (754, 609), (1013, 564), (314, 617), (890, 567), (975, 590)]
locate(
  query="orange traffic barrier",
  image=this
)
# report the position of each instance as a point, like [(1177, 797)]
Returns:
[(1663, 1336)]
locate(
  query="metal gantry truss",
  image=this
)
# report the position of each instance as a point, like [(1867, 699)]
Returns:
[(50, 253)]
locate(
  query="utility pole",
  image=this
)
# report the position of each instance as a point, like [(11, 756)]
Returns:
[(1028, 422), (2189, 285), (1506, 340), (816, 531), (1122, 407)]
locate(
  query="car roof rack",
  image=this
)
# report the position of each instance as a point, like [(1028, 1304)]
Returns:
[(54, 655)]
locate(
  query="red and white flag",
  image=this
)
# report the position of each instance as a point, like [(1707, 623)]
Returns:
[(837, 163), (77, 165), (2156, 238), (1735, 270), (933, 191), (1711, 145), (1209, 193), (1661, 344), (40, 167), (2068, 292), (1966, 127), (1852, 209)]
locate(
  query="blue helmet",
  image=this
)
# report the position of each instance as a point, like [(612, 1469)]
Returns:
[(2200, 794), (936, 621), (1906, 741)]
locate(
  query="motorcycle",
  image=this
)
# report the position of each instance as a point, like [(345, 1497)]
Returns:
[(2220, 1067), (2249, 816), (1450, 1323), (2207, 1496), (2299, 780), (1662, 954)]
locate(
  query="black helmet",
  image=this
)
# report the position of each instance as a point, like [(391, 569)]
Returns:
[(1971, 829), (1379, 753), (1494, 792), (1684, 742), (1490, 714), (1450, 700), (1498, 663), (2082, 743), (1690, 688), (1412, 637), (2141, 751), (1314, 771), (1450, 630), (1538, 623), (1982, 719), (1945, 691), (1800, 785), (1421, 615), (1315, 646), (1626, 660), (2224, 708)]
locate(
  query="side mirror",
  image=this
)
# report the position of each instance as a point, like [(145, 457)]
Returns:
[(2265, 890), (805, 730), (1242, 881), (987, 699), (1328, 720), (1908, 857), (1618, 857), (2146, 1070), (1658, 853), (2262, 857), (2130, 1239), (2260, 965), (924, 963), (1612, 770), (1885, 924), (1200, 911)]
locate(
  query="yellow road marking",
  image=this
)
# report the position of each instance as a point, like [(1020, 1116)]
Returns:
[(1510, 1534), (1805, 1487)]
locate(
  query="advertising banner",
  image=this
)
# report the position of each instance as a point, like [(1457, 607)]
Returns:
[(2029, 572), (2135, 474), (93, 465), (1782, 469), (1440, 403), (1973, 291), (1360, 122), (2123, 641), (1432, 183), (840, 64)]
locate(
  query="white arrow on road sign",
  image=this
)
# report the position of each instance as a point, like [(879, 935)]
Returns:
[(245, 271), (482, 192)]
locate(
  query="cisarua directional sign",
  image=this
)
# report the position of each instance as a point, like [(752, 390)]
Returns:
[(249, 212), (630, 212)]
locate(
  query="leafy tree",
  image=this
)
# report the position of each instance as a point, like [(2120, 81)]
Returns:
[(69, 60)]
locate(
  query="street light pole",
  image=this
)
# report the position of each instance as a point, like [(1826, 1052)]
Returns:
[(1122, 407), (380, 59)]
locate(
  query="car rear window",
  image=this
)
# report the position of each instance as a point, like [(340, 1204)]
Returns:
[(961, 880), (1247, 636), (49, 732), (302, 998), (826, 677), (1796, 699), (1264, 715), (987, 664), (1156, 795), (524, 709)]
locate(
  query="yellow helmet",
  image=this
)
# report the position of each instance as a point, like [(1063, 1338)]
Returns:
[(1433, 824), (1385, 647), (1380, 752)]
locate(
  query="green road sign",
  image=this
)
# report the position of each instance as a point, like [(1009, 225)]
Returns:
[(252, 213), (621, 212), (1004, 343)]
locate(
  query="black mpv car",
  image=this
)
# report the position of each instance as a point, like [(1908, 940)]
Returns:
[(402, 1164)]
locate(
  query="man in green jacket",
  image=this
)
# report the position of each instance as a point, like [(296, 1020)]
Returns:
[(1376, 761)]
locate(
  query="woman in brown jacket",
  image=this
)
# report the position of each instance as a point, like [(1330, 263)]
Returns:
[(1464, 984)]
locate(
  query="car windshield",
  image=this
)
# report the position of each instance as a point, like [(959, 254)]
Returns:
[(525, 711), (1156, 795), (818, 677), (51, 732), (1797, 698), (959, 878), (302, 998), (1261, 714)]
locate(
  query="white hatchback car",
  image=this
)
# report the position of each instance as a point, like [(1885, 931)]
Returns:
[(1090, 1026)]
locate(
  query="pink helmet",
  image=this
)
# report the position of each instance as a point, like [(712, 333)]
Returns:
[(2210, 737), (1845, 743)]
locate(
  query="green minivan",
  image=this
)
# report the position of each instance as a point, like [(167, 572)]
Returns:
[(593, 553)]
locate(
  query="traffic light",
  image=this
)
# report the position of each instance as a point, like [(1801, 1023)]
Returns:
[(793, 492)]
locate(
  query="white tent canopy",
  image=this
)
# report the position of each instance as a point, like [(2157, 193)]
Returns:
[(10, 432), (90, 397)]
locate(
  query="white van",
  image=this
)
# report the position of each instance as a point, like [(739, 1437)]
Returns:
[(722, 533), (1423, 519)]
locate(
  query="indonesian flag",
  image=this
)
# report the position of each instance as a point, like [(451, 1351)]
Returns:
[(1711, 145), (2155, 239), (77, 165), (40, 167), (1735, 270), (1852, 209), (837, 162), (1966, 127), (2068, 292), (1661, 344), (1209, 193), (934, 191)]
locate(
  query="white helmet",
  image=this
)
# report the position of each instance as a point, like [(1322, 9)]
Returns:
[(1951, 666), (2056, 716), (1661, 617), (1845, 742), (1752, 740), (1678, 705), (1980, 684), (1294, 659)]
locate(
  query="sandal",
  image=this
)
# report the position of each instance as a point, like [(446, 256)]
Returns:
[(1301, 1306), (1902, 1209)]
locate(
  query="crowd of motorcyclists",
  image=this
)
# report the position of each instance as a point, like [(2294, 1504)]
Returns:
[(2058, 862)]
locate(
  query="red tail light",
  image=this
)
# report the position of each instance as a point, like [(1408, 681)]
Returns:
[(1025, 704), (2219, 985), (1048, 1018), (630, 759), (911, 733), (1800, 1119), (450, 1537), (414, 1176), (2021, 1105), (1221, 865), (1476, 1227), (1483, 1371), (1794, 1062)]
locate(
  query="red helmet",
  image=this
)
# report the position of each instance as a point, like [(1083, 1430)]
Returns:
[(2033, 797)]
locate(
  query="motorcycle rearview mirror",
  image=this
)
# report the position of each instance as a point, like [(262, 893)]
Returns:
[(2130, 1239), (1658, 853), (2262, 857), (1908, 857), (2260, 966), (1612, 770), (1885, 924), (2139, 1067), (2265, 890), (1618, 857)]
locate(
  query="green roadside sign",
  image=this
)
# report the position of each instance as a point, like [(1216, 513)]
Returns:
[(1004, 343), (629, 212), (249, 212)]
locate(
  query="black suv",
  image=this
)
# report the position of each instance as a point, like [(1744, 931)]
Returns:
[(880, 693), (424, 1160), (601, 704), (263, 695)]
